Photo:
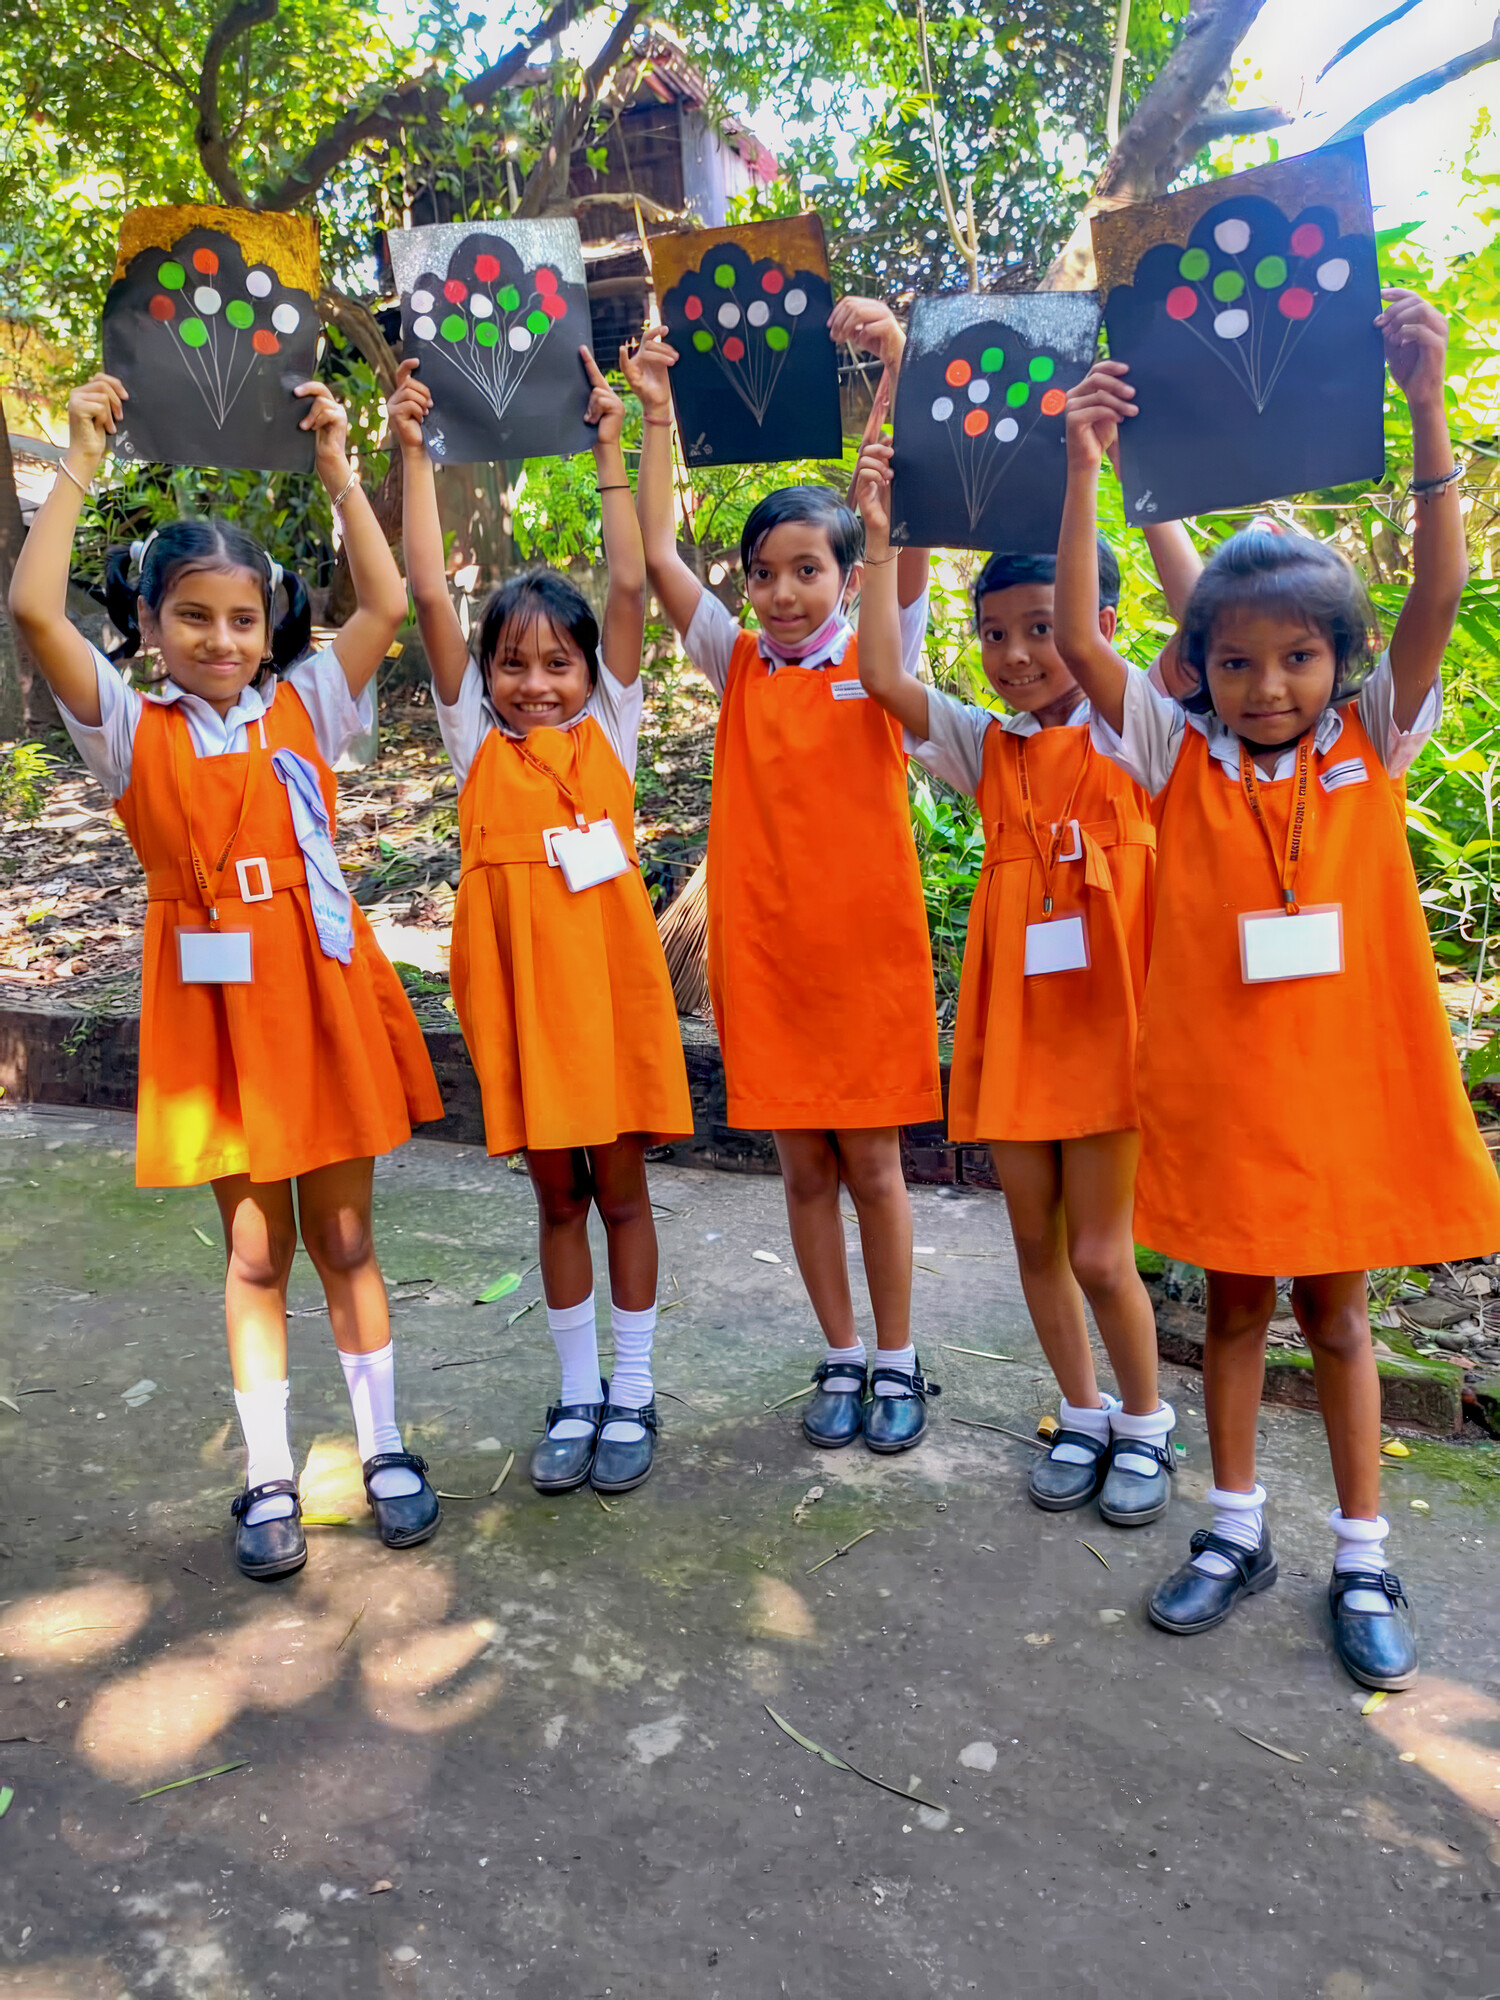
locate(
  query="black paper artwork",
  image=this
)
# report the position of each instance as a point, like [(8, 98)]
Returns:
[(980, 460), (496, 313)]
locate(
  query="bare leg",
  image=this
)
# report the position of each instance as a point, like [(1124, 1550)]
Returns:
[(260, 1240), (810, 1176), (1333, 1313), (1234, 1371), (334, 1205), (624, 1203), (564, 1192), (1098, 1179), (871, 1163), (1031, 1174)]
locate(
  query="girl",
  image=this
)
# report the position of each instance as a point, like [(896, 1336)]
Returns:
[(558, 973), (1302, 1109), (1044, 1049), (276, 1042), (819, 961)]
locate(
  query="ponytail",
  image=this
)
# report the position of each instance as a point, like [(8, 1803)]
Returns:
[(148, 569)]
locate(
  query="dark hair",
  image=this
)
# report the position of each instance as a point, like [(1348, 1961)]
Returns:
[(182, 546), (1293, 576), (1002, 570), (821, 508), (540, 593)]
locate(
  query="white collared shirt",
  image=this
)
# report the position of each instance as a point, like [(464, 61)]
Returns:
[(1155, 729), (954, 747), (709, 640), (108, 746), (615, 705)]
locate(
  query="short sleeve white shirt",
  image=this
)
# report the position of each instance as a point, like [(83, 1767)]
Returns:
[(615, 705)]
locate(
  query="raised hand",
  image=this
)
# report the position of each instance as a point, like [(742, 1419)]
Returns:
[(1096, 409), (406, 407), (328, 420), (94, 410), (869, 324), (1416, 344), (605, 411), (648, 371)]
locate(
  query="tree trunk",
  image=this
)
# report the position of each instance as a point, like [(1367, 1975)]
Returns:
[(26, 704)]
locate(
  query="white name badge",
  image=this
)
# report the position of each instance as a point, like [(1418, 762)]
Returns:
[(1274, 945), (849, 691), (214, 958), (587, 855), (1060, 945)]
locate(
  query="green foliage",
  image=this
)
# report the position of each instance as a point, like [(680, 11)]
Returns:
[(950, 847), (26, 773)]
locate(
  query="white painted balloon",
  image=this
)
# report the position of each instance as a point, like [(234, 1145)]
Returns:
[(1006, 430), (207, 300), (942, 409), (1233, 236), (1334, 275), (759, 313), (424, 328), (1230, 325), (286, 319), (480, 306), (796, 302), (421, 302), (729, 314), (519, 338), (979, 390), (258, 285)]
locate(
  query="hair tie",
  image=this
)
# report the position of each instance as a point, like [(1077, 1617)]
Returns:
[(276, 574), (1267, 524), (138, 550)]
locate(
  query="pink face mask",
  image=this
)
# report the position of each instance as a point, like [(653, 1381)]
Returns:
[(803, 649)]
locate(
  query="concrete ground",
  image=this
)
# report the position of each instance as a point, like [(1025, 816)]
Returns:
[(534, 1758)]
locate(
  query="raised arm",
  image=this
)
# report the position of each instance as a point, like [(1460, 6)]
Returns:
[(379, 593), (647, 373), (442, 636), (868, 324), (1095, 409), (1416, 349), (879, 648), (39, 585), (625, 609)]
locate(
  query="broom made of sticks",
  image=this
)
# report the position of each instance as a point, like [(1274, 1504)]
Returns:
[(684, 938)]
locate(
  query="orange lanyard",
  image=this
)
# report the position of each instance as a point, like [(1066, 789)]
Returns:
[(1047, 858), (184, 761), (556, 776), (1286, 867)]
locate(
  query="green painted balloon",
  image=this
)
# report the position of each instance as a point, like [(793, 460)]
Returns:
[(1193, 265), (508, 299), (172, 276), (194, 333), (703, 341), (1017, 394), (1042, 369), (778, 337), (487, 333), (240, 314), (538, 322), (724, 275), (454, 327), (992, 360), (1270, 272), (1228, 285)]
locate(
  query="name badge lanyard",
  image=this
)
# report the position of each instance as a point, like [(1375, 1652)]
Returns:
[(1287, 864), (209, 879), (557, 778), (1048, 856)]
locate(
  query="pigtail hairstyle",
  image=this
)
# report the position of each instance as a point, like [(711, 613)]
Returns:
[(539, 593), (1287, 575), (819, 507), (149, 568)]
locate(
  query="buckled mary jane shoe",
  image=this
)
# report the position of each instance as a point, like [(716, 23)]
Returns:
[(269, 1548), (1129, 1498), (1190, 1601), (623, 1463), (834, 1416), (407, 1518), (896, 1423), (1057, 1485), (1379, 1648), (561, 1465)]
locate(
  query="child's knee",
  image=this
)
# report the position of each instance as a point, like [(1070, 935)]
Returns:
[(619, 1208), (564, 1204), (1038, 1244), (342, 1241), (1341, 1331), (262, 1257), (874, 1175), (1102, 1265), (809, 1175)]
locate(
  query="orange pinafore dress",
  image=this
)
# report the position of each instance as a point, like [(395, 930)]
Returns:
[(565, 999), (313, 1062), (819, 963), (1300, 1126), (1052, 1056)]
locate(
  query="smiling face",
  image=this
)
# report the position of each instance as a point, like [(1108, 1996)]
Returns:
[(794, 581), (1270, 676), (1020, 657), (538, 677), (210, 631)]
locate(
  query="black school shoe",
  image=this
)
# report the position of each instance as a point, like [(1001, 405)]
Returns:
[(560, 1465), (1129, 1499), (1379, 1648), (896, 1423), (620, 1464), (270, 1548), (409, 1518), (1057, 1485), (1189, 1601), (834, 1416)]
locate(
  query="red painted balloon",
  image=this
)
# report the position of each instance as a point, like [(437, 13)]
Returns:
[(455, 291), (1307, 240), (957, 373), (486, 269), (554, 307), (734, 349), (1182, 302), (692, 305), (976, 423), (1295, 302), (772, 281), (264, 341), (546, 281), (161, 307), (1054, 401), (205, 261)]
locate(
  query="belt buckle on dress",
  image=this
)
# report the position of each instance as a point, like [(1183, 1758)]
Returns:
[(1075, 852), (242, 874), (549, 834)]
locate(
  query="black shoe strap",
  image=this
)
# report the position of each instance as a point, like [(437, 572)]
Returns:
[(853, 1371), (252, 1495), (617, 1413), (1097, 1446), (1382, 1580), (387, 1461), (1205, 1538)]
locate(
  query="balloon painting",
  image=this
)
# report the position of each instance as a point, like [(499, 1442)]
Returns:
[(747, 311), (980, 461), (496, 313), (211, 322), (1245, 309)]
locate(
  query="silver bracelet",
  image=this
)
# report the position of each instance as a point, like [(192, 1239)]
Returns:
[(344, 491), (66, 470)]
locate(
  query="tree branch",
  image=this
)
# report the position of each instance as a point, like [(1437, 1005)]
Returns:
[(209, 135), (360, 327), (542, 183), (1420, 86), (1217, 125)]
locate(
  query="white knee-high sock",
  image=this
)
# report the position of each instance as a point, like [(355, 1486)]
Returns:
[(1361, 1546), (1092, 1423), (630, 1384), (577, 1341), (268, 1452), (371, 1382), (1152, 1429), (1239, 1518)]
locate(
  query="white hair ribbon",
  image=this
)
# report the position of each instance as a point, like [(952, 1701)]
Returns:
[(276, 572), (138, 550)]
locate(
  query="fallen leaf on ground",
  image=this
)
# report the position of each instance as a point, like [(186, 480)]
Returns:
[(500, 1289), (1287, 1756), (203, 1236), (765, 1256), (838, 1763), (1420, 1507), (500, 1476), (1377, 1700), (7, 1793), (1394, 1448), (379, 1888), (196, 1779)]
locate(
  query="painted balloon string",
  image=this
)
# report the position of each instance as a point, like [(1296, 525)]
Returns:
[(749, 342), (985, 419), (206, 330), (489, 332), (1248, 300)]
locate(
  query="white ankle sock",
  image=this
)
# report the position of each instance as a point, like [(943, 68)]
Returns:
[(576, 1338), (1239, 1518), (902, 1359), (1361, 1546), (630, 1385), (1093, 1423), (371, 1382), (268, 1454), (844, 1384), (1153, 1429)]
